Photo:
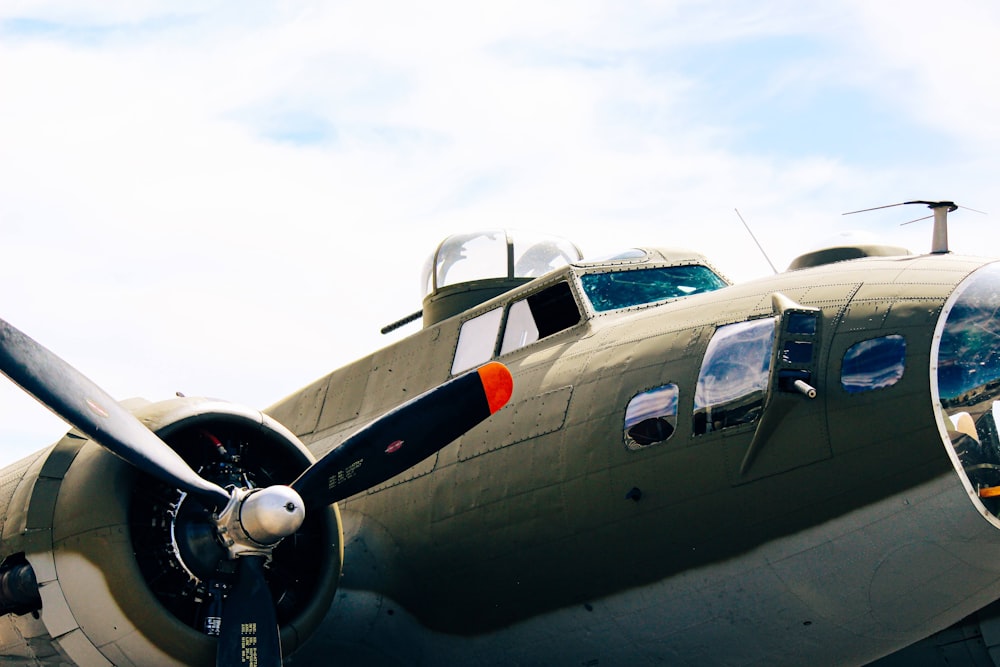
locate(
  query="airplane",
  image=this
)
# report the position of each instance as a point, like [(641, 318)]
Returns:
[(627, 460)]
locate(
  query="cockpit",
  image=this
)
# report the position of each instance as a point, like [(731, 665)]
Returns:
[(468, 270)]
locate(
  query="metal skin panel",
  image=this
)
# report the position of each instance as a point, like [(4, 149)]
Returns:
[(343, 397), (543, 517), (300, 416), (76, 645), (360, 392), (800, 438), (96, 568), (21, 477), (768, 602), (24, 641), (538, 552), (541, 413), (74, 536)]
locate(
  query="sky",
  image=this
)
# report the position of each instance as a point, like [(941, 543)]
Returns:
[(230, 199)]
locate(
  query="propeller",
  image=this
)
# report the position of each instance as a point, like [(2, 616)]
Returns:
[(250, 522), (248, 634), (406, 436), (76, 399)]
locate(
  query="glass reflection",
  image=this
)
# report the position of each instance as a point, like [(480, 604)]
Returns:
[(535, 255), (466, 257), (621, 289), (873, 364), (651, 417), (968, 380), (733, 377), (495, 254)]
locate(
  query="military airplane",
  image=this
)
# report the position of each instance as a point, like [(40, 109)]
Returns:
[(621, 461)]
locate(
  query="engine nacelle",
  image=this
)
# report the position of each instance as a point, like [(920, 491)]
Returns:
[(129, 570)]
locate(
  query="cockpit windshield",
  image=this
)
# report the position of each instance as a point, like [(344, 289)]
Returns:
[(621, 289)]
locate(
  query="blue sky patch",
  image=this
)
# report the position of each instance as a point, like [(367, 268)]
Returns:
[(787, 98), (297, 127), (31, 28), (89, 34)]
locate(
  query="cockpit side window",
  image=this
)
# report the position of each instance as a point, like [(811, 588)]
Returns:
[(477, 341), (734, 376), (539, 315), (621, 289)]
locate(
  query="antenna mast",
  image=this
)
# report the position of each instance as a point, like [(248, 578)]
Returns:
[(939, 244)]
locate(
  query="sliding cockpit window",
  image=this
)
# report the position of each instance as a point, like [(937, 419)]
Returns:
[(539, 315), (477, 341), (542, 314)]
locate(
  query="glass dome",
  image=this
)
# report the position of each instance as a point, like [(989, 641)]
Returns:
[(503, 254)]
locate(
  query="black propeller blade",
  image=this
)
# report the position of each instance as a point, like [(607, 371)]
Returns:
[(400, 439), (249, 634), (64, 390)]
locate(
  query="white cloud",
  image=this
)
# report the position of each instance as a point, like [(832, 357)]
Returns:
[(159, 236), (936, 61)]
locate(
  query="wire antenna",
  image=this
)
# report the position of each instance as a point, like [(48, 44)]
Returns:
[(750, 231)]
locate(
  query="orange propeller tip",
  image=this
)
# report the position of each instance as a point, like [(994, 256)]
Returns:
[(989, 492), (498, 384)]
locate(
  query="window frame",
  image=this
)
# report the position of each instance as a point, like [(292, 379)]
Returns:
[(540, 333), (512, 301), (476, 346)]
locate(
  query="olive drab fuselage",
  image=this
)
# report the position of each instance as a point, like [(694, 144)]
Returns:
[(801, 469)]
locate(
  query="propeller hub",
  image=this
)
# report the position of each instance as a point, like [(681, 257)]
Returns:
[(272, 513), (255, 520)]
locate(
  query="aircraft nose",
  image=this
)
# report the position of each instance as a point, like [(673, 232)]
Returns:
[(966, 382)]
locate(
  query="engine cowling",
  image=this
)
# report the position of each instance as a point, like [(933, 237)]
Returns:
[(130, 571)]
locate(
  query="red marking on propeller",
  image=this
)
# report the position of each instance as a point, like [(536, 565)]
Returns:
[(498, 384), (394, 447)]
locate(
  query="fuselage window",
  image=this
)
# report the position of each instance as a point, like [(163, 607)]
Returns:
[(621, 289), (734, 376), (477, 341), (539, 315), (873, 364), (651, 417)]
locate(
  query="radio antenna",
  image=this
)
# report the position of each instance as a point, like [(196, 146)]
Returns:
[(750, 231), (939, 244)]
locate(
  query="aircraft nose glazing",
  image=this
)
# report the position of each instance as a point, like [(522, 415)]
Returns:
[(966, 382)]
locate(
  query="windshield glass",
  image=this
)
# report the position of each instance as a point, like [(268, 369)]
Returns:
[(621, 289)]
